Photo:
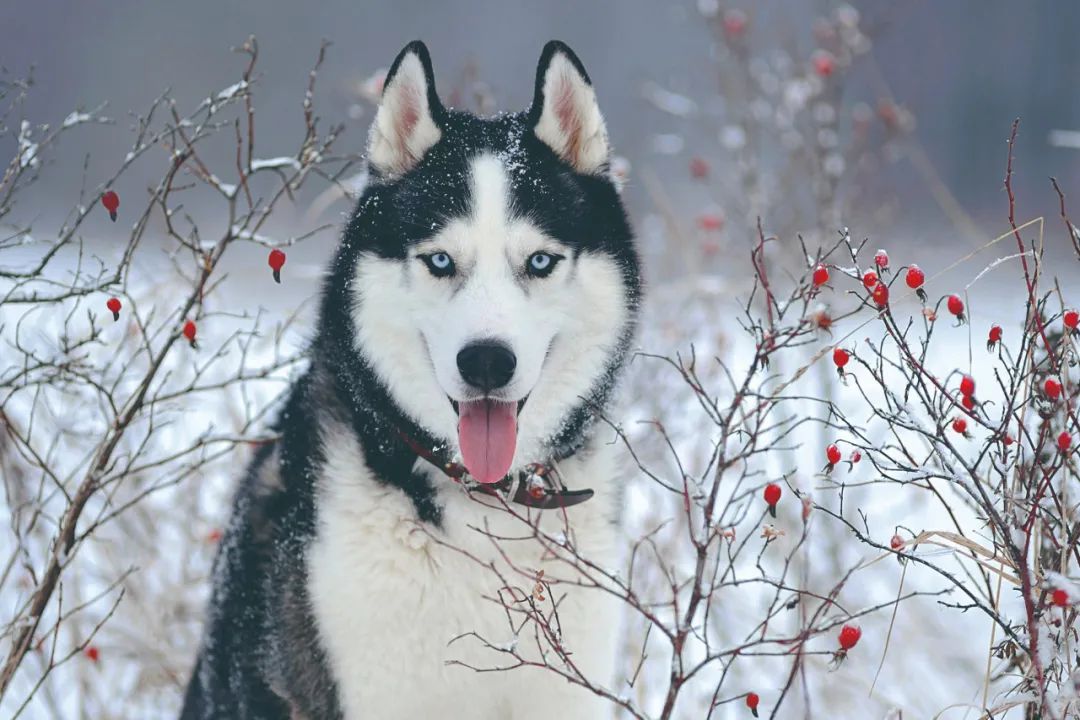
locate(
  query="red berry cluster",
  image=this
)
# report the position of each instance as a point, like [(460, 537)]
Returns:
[(967, 393)]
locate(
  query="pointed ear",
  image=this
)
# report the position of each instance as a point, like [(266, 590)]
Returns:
[(408, 121), (564, 113)]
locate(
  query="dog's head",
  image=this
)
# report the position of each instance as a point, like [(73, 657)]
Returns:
[(492, 276)]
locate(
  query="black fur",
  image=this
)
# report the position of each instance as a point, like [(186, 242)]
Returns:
[(262, 657)]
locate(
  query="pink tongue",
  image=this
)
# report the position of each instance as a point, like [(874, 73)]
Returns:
[(487, 433)]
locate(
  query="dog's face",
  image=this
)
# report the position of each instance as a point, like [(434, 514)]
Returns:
[(496, 284)]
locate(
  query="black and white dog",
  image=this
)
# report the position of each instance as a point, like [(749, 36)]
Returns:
[(472, 326)]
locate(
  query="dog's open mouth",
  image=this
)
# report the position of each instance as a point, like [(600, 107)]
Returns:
[(487, 435)]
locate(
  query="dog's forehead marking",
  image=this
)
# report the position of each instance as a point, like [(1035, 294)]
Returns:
[(490, 188), (491, 234)]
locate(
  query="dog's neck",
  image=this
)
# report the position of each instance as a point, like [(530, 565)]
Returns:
[(390, 441), (537, 485)]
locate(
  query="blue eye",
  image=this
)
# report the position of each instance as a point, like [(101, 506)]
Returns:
[(540, 264), (440, 264)]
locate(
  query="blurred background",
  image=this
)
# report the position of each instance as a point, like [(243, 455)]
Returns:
[(886, 118), (669, 84)]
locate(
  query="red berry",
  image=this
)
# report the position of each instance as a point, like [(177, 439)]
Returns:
[(897, 542), (849, 636), (959, 425), (752, 701), (1060, 598), (214, 536), (833, 454), (276, 262), (869, 279), (1064, 440), (824, 63), (1007, 440), (114, 307), (92, 653), (772, 493), (710, 222), (111, 201), (821, 275), (856, 457), (772, 497), (915, 277), (881, 259), (968, 402), (735, 22), (189, 332), (994, 337), (967, 385), (1072, 319), (1052, 388), (699, 169), (881, 294), (840, 356), (956, 306)]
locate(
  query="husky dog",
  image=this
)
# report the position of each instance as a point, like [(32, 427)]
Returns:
[(435, 456)]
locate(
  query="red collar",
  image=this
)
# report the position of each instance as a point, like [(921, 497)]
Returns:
[(536, 486)]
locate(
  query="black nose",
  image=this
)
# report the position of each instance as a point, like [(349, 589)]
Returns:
[(486, 365)]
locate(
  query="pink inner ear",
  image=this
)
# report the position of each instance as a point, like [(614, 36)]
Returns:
[(569, 121), (408, 115)]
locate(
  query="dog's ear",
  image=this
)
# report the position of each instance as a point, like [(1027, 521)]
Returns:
[(564, 113), (408, 121)]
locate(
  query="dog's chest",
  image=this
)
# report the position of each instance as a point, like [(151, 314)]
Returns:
[(399, 603)]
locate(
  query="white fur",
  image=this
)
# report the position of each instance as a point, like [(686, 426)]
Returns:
[(389, 595), (562, 328), (404, 128), (570, 122)]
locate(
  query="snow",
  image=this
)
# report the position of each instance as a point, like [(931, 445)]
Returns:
[(245, 234), (509, 646), (228, 189), (275, 163), (231, 91), (75, 118), (1064, 138), (28, 150), (670, 102)]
